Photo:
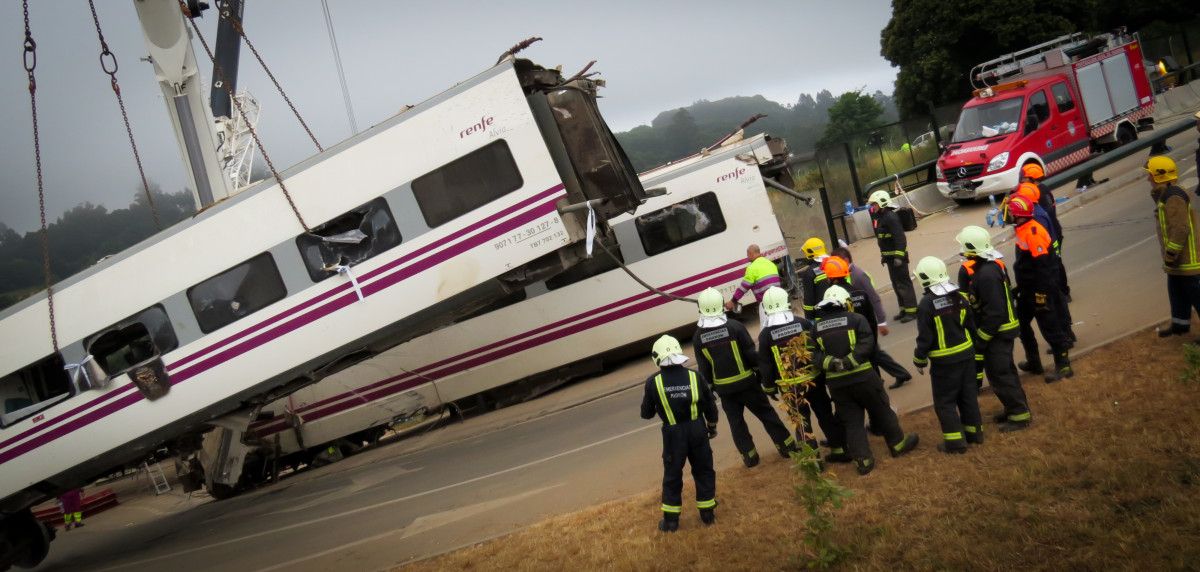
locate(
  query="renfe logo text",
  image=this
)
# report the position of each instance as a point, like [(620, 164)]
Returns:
[(734, 174), (480, 127)]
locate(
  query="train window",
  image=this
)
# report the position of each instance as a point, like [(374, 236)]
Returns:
[(599, 263), (348, 239), (680, 224), (32, 389), (1062, 97), (236, 293), (135, 340), (467, 183)]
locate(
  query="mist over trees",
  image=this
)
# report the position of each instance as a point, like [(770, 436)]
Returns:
[(677, 133), (80, 238)]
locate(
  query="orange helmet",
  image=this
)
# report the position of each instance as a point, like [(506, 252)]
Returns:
[(835, 267), (1029, 191), (1033, 171), (1020, 206)]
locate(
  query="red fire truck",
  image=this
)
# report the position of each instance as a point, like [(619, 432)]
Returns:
[(1052, 104)]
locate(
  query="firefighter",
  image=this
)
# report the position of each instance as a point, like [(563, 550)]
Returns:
[(893, 252), (1046, 213), (1177, 222), (812, 278), (786, 365), (946, 347), (71, 503), (1038, 294), (689, 416), (728, 362), (761, 274), (843, 346), (984, 279), (838, 271)]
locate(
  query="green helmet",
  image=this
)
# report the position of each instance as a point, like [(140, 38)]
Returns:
[(931, 270), (775, 300), (880, 198), (711, 303), (664, 347), (974, 240), (837, 295)]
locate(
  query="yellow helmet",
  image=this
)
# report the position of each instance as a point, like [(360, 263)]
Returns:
[(974, 240), (1162, 169), (880, 198), (813, 247), (664, 347), (775, 300), (711, 303)]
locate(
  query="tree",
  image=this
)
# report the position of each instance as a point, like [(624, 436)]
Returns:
[(935, 43), (853, 112)]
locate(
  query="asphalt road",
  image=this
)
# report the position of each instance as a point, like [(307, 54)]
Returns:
[(392, 505)]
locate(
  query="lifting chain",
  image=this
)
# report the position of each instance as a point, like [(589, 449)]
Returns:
[(187, 13), (30, 60), (108, 63), (227, 15)]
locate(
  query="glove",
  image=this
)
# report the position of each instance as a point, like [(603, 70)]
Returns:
[(772, 391), (836, 365), (899, 262), (883, 261), (712, 431)]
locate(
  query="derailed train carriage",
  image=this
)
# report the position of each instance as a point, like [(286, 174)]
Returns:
[(422, 219), (691, 238)]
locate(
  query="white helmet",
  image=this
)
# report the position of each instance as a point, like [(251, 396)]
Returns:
[(836, 296), (931, 270), (974, 241), (880, 198), (775, 300), (665, 347), (711, 303)]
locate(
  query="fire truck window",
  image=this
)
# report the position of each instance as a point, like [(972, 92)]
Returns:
[(680, 224), (136, 339), (1039, 106), (1062, 97), (236, 293), (32, 389), (348, 239), (467, 183)]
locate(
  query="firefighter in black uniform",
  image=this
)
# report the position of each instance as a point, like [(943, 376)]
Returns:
[(843, 346), (984, 279), (838, 272), (812, 278), (786, 364), (893, 252), (944, 326), (728, 362), (689, 416)]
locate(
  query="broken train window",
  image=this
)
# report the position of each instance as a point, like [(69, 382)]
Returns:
[(349, 239), (132, 341), (681, 223), (32, 389)]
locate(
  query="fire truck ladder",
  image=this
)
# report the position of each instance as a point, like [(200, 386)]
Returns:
[(157, 477), (992, 72)]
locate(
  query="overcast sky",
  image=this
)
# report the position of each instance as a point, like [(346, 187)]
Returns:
[(655, 56)]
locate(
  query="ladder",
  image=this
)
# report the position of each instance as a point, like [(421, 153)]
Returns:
[(992, 71), (157, 477)]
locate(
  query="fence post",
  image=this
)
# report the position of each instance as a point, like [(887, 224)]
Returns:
[(828, 215), (853, 173)]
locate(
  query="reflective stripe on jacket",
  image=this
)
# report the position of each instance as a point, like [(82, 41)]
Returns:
[(726, 356), (1177, 224), (987, 287), (944, 325), (784, 355), (760, 275)]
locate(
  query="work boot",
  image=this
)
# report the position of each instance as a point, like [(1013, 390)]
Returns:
[(668, 524), (838, 455), (1031, 366), (750, 459), (900, 381), (1062, 365), (1010, 426), (899, 316), (864, 466), (708, 517), (78, 525), (955, 447), (1000, 417), (787, 448), (906, 318), (1173, 330), (973, 437), (907, 444)]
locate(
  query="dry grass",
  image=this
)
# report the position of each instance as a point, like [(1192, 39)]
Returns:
[(1108, 478)]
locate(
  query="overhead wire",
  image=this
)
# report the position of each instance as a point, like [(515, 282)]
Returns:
[(337, 60)]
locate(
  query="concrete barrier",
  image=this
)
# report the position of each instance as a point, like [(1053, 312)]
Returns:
[(926, 199), (1179, 99)]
